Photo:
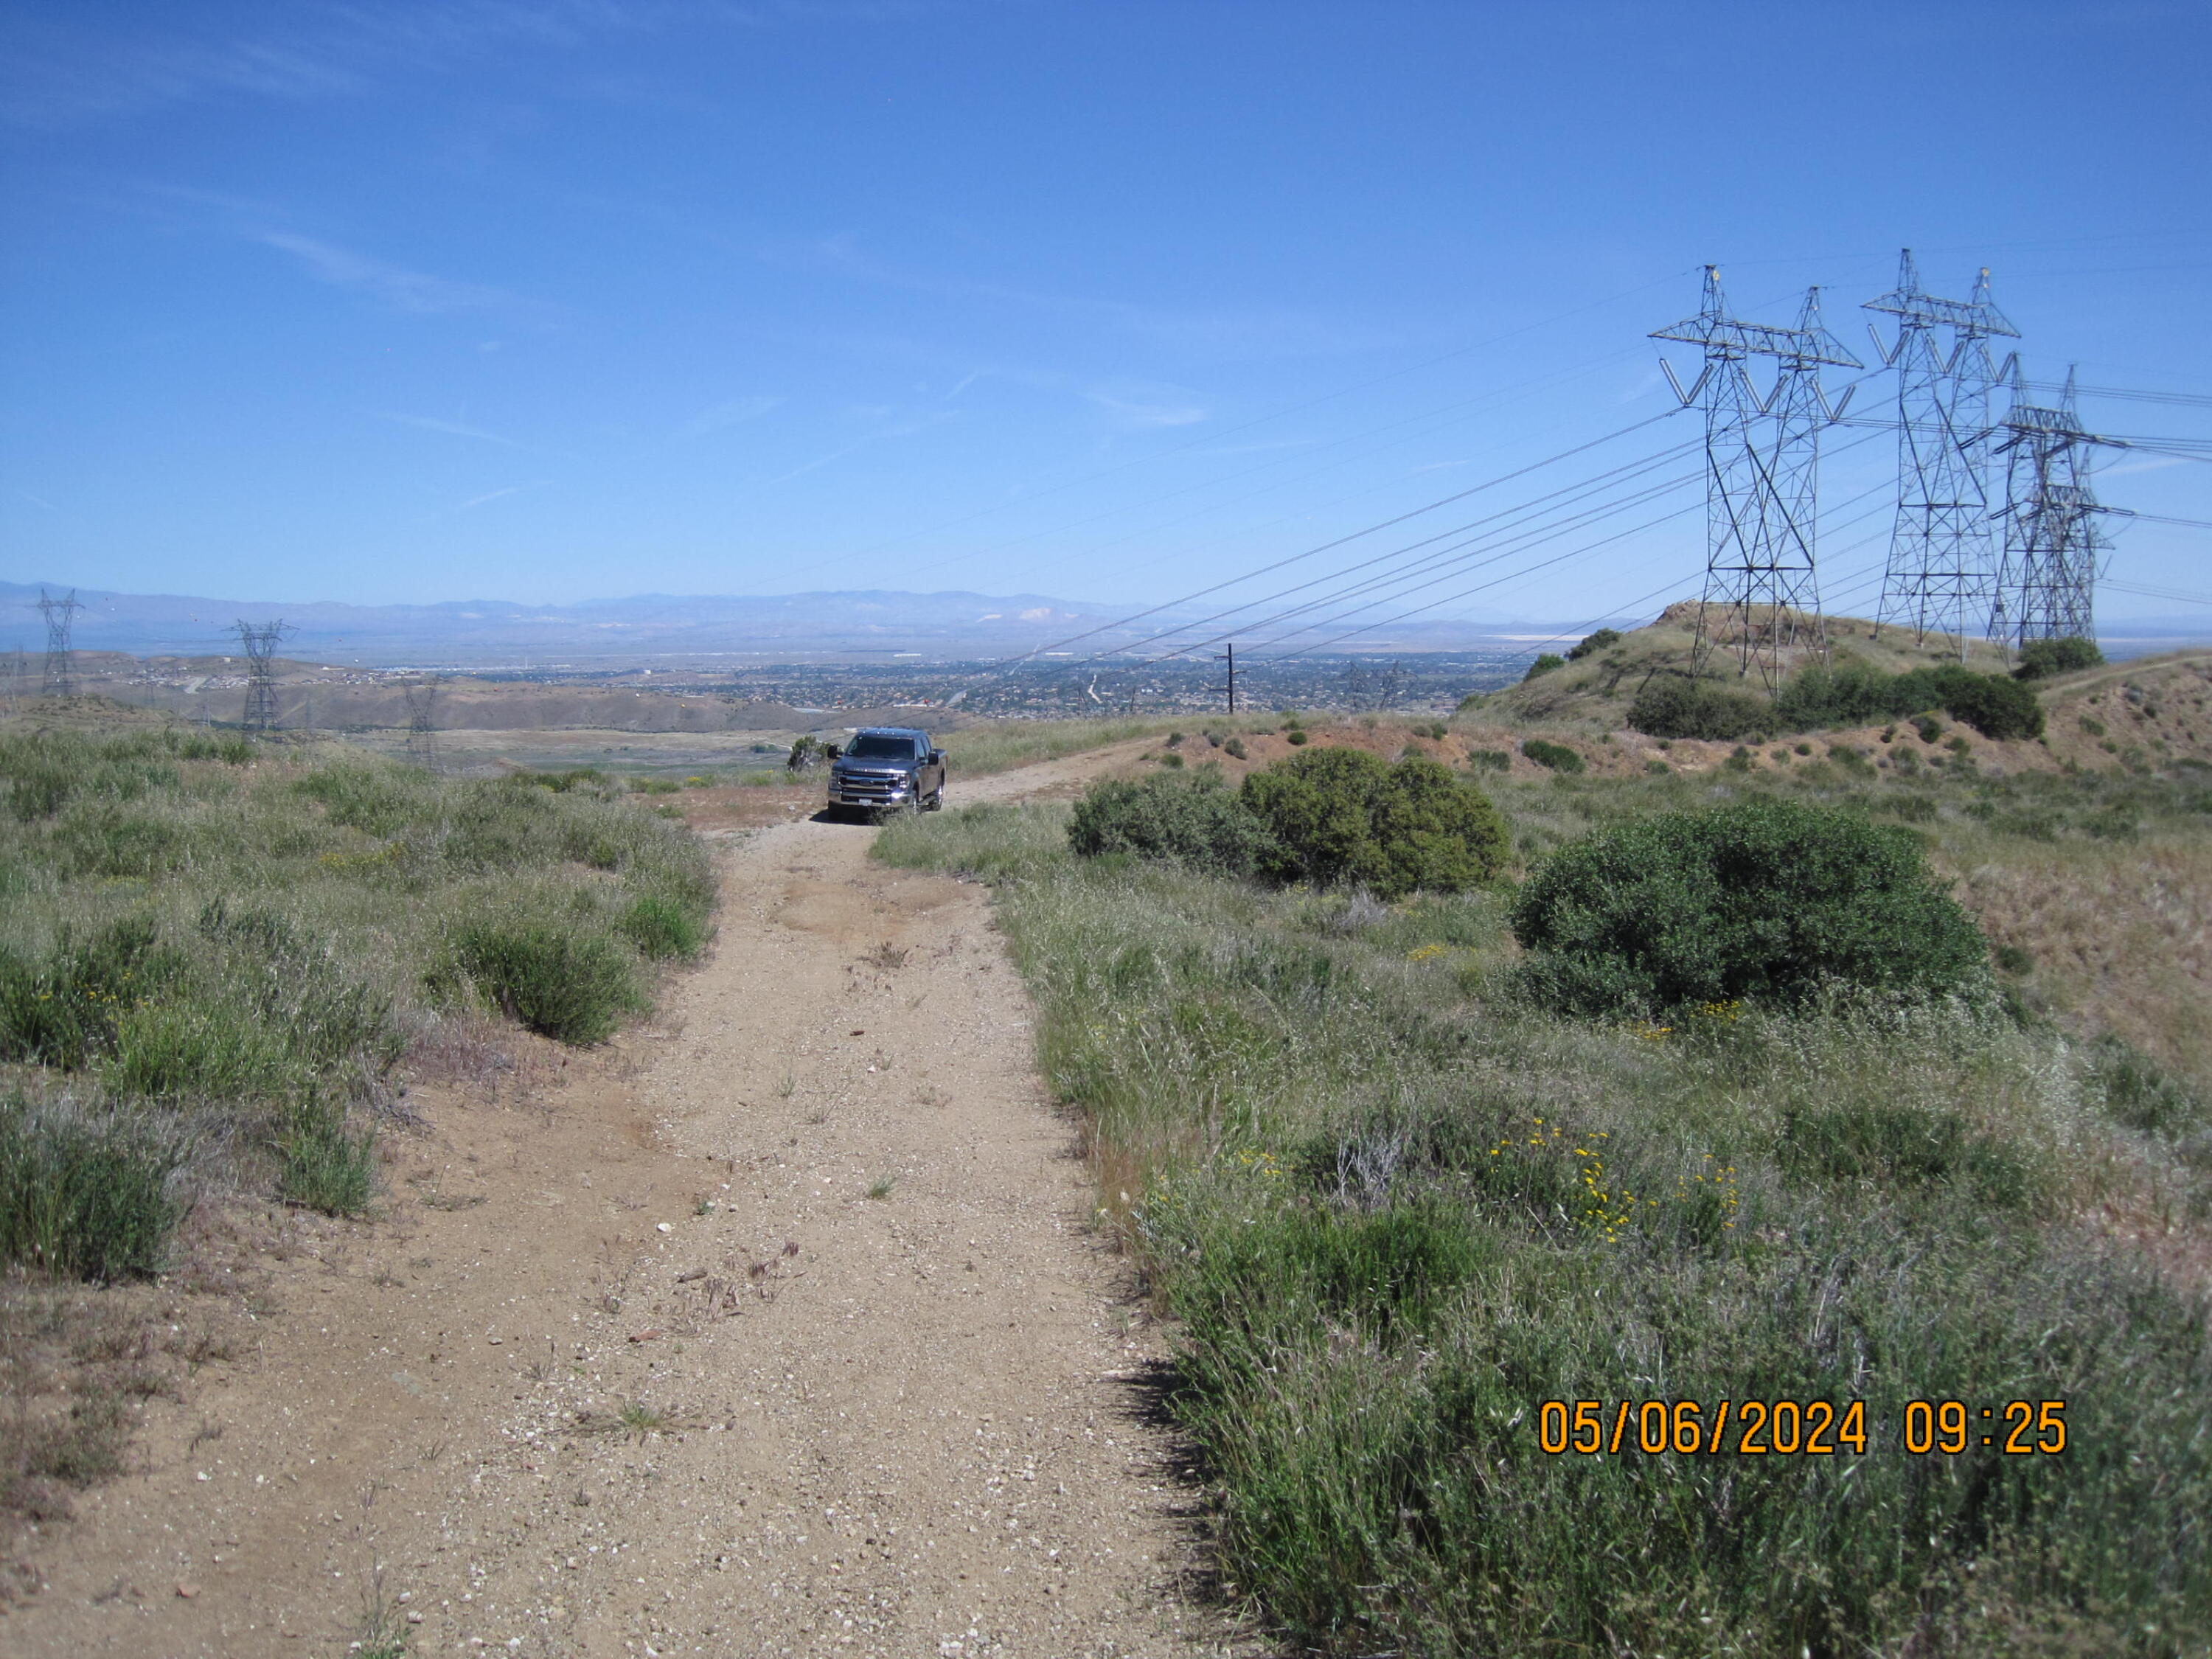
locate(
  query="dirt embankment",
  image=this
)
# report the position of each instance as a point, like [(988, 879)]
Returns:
[(776, 1327)]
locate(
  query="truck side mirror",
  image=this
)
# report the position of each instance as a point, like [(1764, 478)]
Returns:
[(936, 757), (832, 751)]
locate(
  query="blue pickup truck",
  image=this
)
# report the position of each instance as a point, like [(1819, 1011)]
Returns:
[(886, 769)]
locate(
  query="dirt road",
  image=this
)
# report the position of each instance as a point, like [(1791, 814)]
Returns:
[(779, 1330)]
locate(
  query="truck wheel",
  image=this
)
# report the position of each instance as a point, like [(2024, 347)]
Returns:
[(936, 801)]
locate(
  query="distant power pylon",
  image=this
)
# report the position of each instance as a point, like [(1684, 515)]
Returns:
[(61, 617), (1762, 456), (1942, 553), (259, 642), (2047, 585), (422, 696)]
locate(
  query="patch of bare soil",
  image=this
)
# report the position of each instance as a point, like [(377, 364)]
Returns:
[(779, 1326)]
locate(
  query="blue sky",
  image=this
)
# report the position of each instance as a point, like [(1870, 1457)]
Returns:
[(547, 300)]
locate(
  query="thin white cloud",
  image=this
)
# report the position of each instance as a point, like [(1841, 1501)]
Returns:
[(451, 429), (38, 501), (62, 68), (1147, 405), (394, 285), (493, 495), (735, 412), (2159, 464)]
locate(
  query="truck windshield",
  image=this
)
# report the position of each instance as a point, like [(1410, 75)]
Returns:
[(880, 745)]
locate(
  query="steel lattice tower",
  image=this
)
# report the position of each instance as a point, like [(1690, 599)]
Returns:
[(259, 642), (1761, 461), (61, 617), (1942, 553), (422, 698), (2047, 585)]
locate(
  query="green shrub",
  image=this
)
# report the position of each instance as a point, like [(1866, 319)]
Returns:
[(1490, 760), (1552, 757), (87, 1196), (1544, 665), (2001, 710), (662, 927), (323, 1162), (1193, 821), (2039, 659), (1340, 816), (559, 980), (1296, 739), (1767, 901), (1855, 694), (1236, 746), (2143, 1095), (1592, 643), (63, 1011), (1675, 706)]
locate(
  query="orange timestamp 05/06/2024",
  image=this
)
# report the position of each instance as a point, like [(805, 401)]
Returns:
[(1787, 1428)]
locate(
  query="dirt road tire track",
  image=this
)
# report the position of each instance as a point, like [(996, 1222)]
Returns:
[(905, 1423)]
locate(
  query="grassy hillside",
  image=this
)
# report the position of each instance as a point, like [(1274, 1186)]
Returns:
[(217, 960), (1593, 694), (1396, 1207)]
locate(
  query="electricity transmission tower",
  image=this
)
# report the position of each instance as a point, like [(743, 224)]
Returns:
[(2047, 584), (422, 697), (1941, 553), (259, 642), (61, 617), (1761, 460)]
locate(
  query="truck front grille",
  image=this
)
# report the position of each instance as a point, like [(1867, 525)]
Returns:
[(867, 788)]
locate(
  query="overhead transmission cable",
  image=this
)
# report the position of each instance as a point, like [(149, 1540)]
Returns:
[(1583, 487), (1399, 580), (1542, 564), (1339, 540)]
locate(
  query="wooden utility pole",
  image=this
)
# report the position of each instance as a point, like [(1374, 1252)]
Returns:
[(1229, 655)]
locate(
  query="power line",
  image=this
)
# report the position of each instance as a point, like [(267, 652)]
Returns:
[(1522, 541), (1314, 552), (1530, 569), (1584, 487)]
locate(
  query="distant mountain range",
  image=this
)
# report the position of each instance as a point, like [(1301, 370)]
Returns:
[(872, 625)]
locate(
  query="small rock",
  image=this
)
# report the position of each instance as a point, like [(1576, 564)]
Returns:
[(687, 1278), (188, 1591), (643, 1336), (662, 1227), (413, 1617)]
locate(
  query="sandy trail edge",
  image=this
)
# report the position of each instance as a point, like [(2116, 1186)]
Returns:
[(912, 1423)]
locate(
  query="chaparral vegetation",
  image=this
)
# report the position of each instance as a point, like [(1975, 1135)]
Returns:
[(1679, 1091)]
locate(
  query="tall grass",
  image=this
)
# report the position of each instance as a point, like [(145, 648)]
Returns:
[(1394, 1209), (88, 1195), (196, 926)]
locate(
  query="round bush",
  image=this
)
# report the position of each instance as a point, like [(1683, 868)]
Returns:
[(1765, 901), (1194, 820), (1672, 706), (1341, 816), (1552, 757), (2039, 658), (1594, 643), (570, 985)]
